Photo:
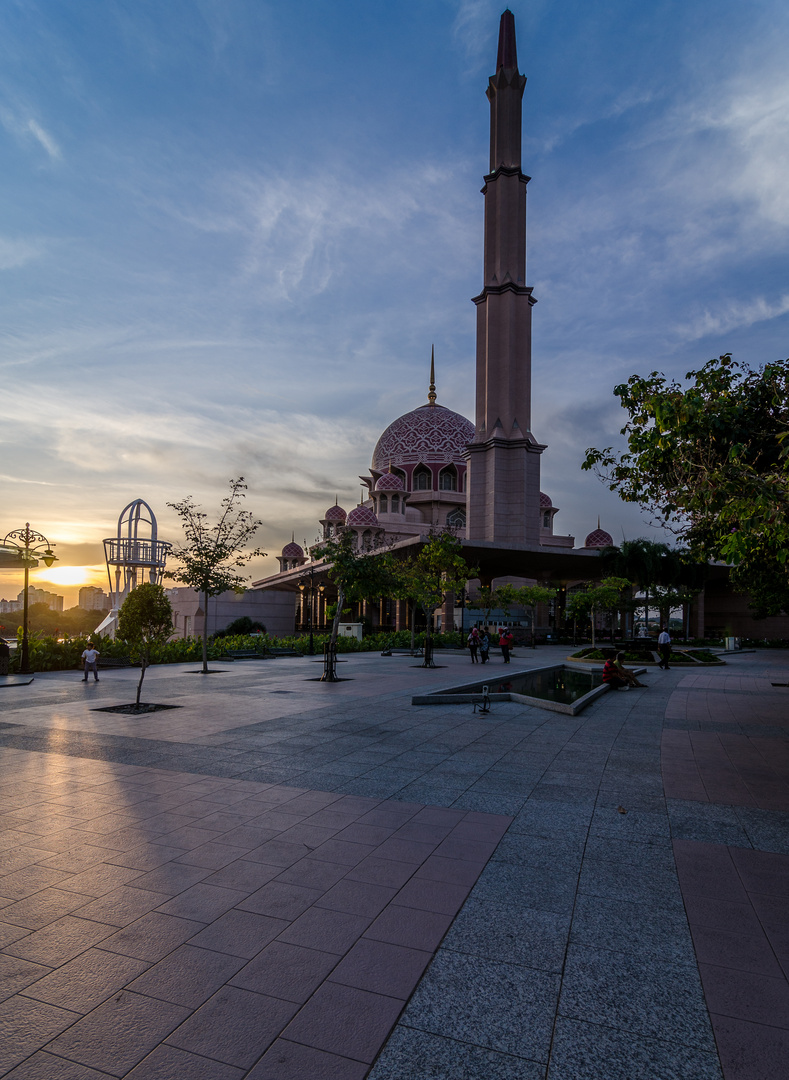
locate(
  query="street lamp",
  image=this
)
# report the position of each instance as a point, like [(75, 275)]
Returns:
[(307, 586), (31, 546)]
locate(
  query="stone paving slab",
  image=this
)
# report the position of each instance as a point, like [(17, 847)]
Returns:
[(324, 853)]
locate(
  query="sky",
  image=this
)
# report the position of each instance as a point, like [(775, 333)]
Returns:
[(231, 230)]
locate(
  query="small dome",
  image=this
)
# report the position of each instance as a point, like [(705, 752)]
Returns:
[(599, 538), (293, 551), (363, 516), (335, 513), (389, 482), (545, 501)]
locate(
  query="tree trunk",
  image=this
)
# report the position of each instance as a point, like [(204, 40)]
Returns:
[(143, 666), (413, 626), (205, 633), (594, 646), (335, 626)]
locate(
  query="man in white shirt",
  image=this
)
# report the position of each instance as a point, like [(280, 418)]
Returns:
[(90, 658), (664, 648)]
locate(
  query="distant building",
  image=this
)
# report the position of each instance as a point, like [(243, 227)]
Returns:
[(9, 605), (40, 596), (92, 598), (274, 608)]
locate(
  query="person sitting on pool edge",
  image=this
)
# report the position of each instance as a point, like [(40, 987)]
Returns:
[(611, 676), (629, 676)]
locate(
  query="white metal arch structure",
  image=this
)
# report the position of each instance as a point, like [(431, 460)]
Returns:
[(134, 557)]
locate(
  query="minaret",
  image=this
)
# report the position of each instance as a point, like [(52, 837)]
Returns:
[(504, 458)]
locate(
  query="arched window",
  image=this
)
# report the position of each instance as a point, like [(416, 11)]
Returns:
[(395, 504), (456, 519), (448, 479), (546, 521), (401, 474), (367, 539), (383, 504), (423, 479)]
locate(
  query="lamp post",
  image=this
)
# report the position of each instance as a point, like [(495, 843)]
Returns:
[(307, 587), (31, 546)]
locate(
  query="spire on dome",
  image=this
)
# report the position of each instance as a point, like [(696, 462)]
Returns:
[(508, 54), (431, 394)]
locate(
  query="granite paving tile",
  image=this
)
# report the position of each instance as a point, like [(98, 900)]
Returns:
[(100, 879), (121, 906), (170, 1063), (325, 929), (28, 1025), (42, 908), (469, 998), (611, 988), (409, 927), (234, 1026), (188, 976), (378, 871), (344, 1021), (500, 931), (60, 941), (239, 933), (751, 1051), (86, 981), (287, 971), (381, 968), (152, 937), (280, 900), (746, 995), (118, 1034), (591, 1051), (16, 974), (29, 880), (412, 1053), (44, 1066), (202, 902), (286, 1060)]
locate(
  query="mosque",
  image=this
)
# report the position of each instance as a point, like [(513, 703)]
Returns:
[(435, 469)]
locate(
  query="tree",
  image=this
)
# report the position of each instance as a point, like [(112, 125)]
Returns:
[(438, 569), (505, 597), (607, 595), (358, 574), (210, 552), (145, 619), (711, 460)]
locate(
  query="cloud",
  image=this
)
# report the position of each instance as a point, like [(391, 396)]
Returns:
[(17, 252), (22, 128), (733, 315)]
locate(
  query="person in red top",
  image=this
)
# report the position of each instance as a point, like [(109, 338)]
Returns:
[(505, 643), (610, 674)]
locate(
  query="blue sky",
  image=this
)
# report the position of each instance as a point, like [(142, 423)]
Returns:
[(231, 230)]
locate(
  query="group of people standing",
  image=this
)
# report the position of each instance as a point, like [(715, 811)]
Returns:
[(478, 641)]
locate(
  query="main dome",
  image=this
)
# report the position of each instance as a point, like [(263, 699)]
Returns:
[(432, 434)]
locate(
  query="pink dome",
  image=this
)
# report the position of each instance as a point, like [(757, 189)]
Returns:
[(545, 501), (335, 513), (389, 482), (293, 551), (599, 539), (432, 434), (363, 516)]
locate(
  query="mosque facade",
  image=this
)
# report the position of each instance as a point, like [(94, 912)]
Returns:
[(434, 469)]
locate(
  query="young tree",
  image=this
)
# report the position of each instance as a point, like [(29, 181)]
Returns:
[(529, 596), (712, 461), (358, 574), (209, 552), (438, 569), (606, 595), (144, 619)]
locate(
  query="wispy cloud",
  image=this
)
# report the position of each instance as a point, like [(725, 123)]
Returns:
[(22, 126), (732, 316)]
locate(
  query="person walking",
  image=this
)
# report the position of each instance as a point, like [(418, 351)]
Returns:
[(90, 659), (5, 656), (664, 648), (473, 643), (484, 646), (505, 643)]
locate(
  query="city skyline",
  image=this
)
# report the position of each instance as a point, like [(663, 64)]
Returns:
[(230, 234)]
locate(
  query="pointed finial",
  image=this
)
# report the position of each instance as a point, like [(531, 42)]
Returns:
[(390, 464), (508, 56), (431, 396), (336, 501), (293, 537), (598, 521)]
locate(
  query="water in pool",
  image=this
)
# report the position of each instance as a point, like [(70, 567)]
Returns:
[(557, 684)]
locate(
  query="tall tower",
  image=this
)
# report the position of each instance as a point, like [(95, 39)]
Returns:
[(504, 457)]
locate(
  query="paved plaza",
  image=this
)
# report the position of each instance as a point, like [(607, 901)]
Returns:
[(283, 879)]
